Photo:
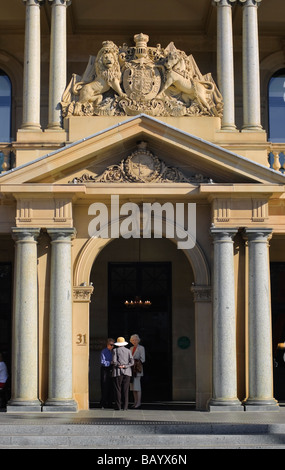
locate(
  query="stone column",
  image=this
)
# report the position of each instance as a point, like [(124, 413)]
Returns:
[(60, 391), (32, 67), (260, 367), (225, 64), (251, 79), (25, 323), (57, 74), (224, 324)]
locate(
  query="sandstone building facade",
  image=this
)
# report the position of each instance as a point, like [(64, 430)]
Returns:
[(106, 111)]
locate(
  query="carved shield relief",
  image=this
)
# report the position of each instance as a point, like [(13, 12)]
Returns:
[(141, 83)]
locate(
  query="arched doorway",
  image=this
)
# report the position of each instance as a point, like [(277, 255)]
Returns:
[(85, 315), (156, 269)]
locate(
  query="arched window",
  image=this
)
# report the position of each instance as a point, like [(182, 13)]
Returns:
[(5, 107), (276, 105)]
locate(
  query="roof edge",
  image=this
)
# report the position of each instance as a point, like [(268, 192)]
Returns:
[(143, 116)]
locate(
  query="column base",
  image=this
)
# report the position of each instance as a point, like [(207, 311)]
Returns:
[(31, 127), (253, 404), (24, 406), (60, 406), (54, 128), (252, 128), (228, 128), (225, 405)]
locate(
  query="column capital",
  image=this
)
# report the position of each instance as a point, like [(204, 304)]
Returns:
[(33, 2), (258, 234), (25, 234), (82, 293), (223, 3), (61, 234), (223, 234), (65, 3), (250, 3)]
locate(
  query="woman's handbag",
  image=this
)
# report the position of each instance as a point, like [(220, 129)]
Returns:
[(137, 367)]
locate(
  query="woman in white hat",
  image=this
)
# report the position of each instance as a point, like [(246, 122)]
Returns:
[(122, 371), (138, 353)]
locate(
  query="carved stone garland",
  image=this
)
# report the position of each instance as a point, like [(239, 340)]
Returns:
[(142, 166)]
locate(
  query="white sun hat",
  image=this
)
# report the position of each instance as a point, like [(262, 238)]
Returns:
[(121, 341)]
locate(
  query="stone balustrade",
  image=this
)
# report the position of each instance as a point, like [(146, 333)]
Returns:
[(6, 157), (276, 157)]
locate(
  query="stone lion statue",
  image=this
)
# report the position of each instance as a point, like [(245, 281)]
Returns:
[(192, 86), (99, 77)]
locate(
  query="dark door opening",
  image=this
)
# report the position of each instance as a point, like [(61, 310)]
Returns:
[(277, 271), (151, 281)]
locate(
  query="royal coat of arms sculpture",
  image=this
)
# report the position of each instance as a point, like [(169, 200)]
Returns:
[(132, 80)]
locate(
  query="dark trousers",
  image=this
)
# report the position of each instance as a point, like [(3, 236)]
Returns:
[(3, 396), (122, 383), (107, 391)]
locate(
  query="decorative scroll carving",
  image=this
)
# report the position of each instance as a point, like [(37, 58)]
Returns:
[(132, 80), (142, 166)]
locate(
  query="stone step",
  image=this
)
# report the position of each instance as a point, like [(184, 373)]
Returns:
[(142, 436), (147, 442)]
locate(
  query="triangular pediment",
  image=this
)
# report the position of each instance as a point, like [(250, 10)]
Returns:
[(191, 157)]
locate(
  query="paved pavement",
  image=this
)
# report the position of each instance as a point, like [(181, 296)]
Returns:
[(159, 426), (172, 413)]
